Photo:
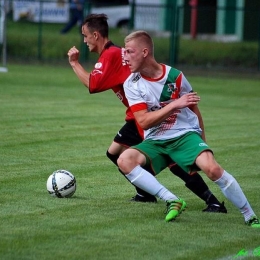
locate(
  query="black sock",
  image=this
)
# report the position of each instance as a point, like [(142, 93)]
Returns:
[(112, 157), (196, 184)]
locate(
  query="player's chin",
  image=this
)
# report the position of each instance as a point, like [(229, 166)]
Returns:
[(91, 48)]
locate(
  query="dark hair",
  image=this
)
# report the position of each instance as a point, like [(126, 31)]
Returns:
[(97, 22)]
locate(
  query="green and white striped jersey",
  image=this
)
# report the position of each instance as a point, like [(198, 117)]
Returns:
[(153, 94)]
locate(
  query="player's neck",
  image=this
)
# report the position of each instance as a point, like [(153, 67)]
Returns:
[(153, 70), (102, 44)]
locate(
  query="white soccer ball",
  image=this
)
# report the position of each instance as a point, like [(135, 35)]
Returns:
[(61, 184)]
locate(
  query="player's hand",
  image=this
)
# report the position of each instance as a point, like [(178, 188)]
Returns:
[(73, 55), (187, 100)]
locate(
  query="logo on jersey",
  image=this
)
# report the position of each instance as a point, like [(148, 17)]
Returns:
[(171, 87), (136, 78), (203, 144), (174, 90), (98, 65)]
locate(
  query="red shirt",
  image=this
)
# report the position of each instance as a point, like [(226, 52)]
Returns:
[(110, 72)]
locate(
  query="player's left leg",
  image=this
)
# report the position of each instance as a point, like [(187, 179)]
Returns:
[(198, 186)]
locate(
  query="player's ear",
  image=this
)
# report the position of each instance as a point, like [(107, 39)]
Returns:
[(95, 35), (145, 52)]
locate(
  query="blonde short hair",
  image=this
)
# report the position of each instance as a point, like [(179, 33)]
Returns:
[(143, 38)]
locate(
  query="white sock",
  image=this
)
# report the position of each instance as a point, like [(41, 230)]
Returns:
[(147, 182), (231, 189)]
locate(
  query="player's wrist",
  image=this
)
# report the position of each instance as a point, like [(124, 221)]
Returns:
[(73, 63)]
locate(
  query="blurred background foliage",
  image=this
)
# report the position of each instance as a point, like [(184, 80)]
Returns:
[(27, 41)]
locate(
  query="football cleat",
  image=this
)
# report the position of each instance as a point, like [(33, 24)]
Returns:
[(174, 208), (253, 222), (139, 198), (215, 208)]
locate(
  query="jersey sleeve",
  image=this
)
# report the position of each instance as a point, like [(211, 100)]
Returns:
[(135, 100), (185, 85)]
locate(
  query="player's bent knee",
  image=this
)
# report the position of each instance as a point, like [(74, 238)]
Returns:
[(122, 165), (129, 159), (214, 172)]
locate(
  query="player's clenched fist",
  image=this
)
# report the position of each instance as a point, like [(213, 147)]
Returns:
[(73, 55)]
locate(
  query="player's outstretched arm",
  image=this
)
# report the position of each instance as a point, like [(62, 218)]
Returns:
[(81, 73)]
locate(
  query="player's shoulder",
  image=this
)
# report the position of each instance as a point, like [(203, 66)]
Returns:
[(173, 70), (113, 55), (112, 48), (173, 73), (133, 77), (131, 80)]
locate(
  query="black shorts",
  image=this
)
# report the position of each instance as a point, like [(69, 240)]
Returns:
[(128, 135)]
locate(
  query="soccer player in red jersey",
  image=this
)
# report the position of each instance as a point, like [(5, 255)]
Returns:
[(110, 72)]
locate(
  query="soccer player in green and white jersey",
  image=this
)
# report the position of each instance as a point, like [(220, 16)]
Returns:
[(166, 107)]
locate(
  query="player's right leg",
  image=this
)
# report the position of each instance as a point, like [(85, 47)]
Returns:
[(126, 137), (131, 163), (141, 195)]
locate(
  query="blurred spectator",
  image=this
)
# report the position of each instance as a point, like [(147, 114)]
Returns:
[(76, 15)]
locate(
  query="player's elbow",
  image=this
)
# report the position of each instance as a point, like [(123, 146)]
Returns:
[(144, 120), (144, 125)]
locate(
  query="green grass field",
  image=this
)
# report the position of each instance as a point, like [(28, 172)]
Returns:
[(50, 122)]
